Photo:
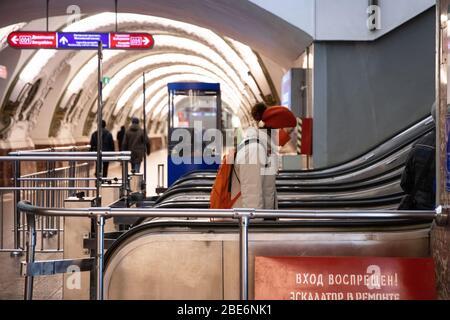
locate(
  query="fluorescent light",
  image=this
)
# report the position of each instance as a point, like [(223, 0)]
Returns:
[(172, 59), (178, 70), (89, 69), (155, 98), (220, 62)]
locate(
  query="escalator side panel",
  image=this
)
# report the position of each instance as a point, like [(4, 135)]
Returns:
[(204, 264)]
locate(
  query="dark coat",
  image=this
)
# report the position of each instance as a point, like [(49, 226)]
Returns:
[(135, 141), (419, 176), (120, 136), (107, 141)]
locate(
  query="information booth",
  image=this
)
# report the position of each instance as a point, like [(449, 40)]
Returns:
[(194, 107)]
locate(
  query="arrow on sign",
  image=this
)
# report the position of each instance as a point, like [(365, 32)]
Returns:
[(146, 41), (63, 40), (14, 39)]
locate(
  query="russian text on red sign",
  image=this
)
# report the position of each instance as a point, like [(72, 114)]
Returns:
[(344, 278), (32, 40), (131, 41)]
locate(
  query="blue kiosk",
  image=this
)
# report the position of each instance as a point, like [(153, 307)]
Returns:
[(193, 108)]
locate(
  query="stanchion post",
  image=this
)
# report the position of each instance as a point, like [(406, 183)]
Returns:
[(243, 257), (72, 174), (100, 255), (144, 181), (31, 247), (16, 211), (125, 181), (99, 169)]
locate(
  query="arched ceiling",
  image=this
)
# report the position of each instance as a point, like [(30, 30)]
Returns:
[(238, 19), (182, 52)]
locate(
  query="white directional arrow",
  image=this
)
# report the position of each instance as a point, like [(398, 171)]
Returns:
[(146, 41), (63, 40), (14, 39)]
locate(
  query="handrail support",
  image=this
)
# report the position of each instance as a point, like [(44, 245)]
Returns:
[(244, 216), (442, 216)]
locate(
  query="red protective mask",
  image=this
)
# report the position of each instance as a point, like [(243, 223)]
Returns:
[(283, 137)]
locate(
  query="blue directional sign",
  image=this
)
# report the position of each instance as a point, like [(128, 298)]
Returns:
[(81, 40)]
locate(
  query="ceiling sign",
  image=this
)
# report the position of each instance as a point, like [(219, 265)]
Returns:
[(344, 278), (82, 40), (79, 40), (130, 41), (32, 40)]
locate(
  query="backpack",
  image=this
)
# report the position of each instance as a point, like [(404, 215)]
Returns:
[(221, 191), (220, 197)]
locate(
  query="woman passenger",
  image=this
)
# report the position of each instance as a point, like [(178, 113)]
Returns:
[(256, 162)]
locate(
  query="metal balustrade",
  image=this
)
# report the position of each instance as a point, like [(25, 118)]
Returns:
[(244, 216), (48, 188)]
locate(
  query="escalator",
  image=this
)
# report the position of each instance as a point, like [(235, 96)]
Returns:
[(369, 181), (199, 259)]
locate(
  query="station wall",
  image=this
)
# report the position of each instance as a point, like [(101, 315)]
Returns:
[(330, 20), (366, 92)]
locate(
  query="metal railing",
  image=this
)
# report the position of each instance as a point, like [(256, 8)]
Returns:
[(40, 187), (99, 215), (161, 183), (6, 200), (86, 147), (49, 188)]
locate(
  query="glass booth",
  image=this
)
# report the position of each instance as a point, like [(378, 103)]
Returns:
[(193, 108)]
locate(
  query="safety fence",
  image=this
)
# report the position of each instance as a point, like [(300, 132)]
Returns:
[(49, 189), (66, 174), (95, 264), (6, 229)]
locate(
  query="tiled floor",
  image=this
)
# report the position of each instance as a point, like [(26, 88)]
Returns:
[(12, 284)]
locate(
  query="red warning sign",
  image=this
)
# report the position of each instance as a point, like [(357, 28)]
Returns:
[(32, 40), (131, 41), (344, 278)]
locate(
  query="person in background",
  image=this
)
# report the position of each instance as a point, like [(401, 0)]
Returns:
[(107, 145), (419, 176), (253, 183), (136, 142), (120, 136)]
